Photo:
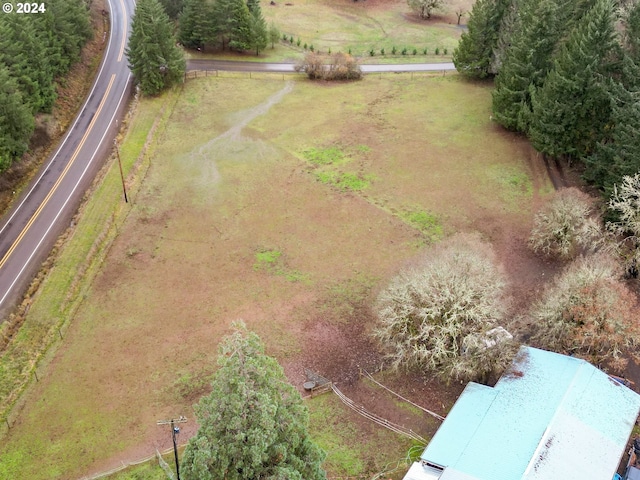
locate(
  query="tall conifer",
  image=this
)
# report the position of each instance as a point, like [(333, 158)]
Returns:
[(196, 24), (474, 55), (16, 121), (154, 58), (254, 423), (526, 62), (572, 107)]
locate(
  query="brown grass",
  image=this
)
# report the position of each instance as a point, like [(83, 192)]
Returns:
[(237, 223)]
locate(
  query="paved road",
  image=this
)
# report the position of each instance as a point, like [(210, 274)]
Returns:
[(289, 67), (38, 217)]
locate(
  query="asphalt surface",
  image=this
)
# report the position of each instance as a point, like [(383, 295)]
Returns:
[(226, 65), (43, 211)]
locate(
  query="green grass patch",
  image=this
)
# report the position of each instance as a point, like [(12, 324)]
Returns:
[(428, 223), (345, 181), (324, 156), (352, 450), (267, 259), (273, 261)]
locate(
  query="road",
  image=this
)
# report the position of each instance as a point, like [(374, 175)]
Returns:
[(226, 65), (44, 209)]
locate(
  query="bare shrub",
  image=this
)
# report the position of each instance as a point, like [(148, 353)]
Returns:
[(587, 312), (337, 66), (625, 203), (436, 316), (566, 226)]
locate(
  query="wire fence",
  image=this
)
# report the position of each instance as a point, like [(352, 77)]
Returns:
[(433, 414), (134, 463), (376, 418), (194, 74)]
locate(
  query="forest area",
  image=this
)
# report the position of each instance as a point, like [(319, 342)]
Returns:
[(35, 51), (567, 76)]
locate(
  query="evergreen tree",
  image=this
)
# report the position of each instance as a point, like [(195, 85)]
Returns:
[(254, 424), (241, 36), (173, 8), (23, 52), (196, 26), (259, 33), (526, 62), (474, 55), (154, 58), (632, 32), (618, 155), (16, 121), (572, 108), (274, 34), (71, 28)]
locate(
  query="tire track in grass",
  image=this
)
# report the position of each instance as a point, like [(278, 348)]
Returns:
[(204, 155)]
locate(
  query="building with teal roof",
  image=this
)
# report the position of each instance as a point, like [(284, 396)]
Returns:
[(550, 417)]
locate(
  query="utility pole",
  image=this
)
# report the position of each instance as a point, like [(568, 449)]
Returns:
[(124, 188), (174, 432)]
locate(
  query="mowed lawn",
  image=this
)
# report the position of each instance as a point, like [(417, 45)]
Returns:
[(359, 27), (262, 197)]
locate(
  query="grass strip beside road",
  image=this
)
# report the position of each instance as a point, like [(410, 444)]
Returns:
[(47, 309)]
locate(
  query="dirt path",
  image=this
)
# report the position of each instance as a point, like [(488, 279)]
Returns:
[(229, 143)]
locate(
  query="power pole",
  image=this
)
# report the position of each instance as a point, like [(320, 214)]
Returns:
[(174, 432), (124, 188)]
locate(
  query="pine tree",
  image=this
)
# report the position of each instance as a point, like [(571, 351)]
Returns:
[(71, 28), (241, 36), (154, 58), (618, 155), (196, 26), (274, 34), (632, 32), (475, 52), (572, 108), (23, 51), (253, 424), (173, 8), (16, 121), (259, 33), (526, 62), (233, 22)]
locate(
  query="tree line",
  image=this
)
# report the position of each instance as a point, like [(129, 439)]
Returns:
[(35, 50), (234, 24), (156, 60), (567, 75)]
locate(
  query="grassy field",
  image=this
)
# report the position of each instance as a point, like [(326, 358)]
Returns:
[(283, 203), (358, 27)]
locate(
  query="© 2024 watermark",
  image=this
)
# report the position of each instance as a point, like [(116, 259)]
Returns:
[(32, 7)]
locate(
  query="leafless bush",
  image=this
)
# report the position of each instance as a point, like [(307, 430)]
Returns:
[(429, 315), (338, 66), (625, 203), (566, 226), (587, 312)]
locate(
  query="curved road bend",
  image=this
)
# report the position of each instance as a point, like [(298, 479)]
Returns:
[(29, 230), (226, 65)]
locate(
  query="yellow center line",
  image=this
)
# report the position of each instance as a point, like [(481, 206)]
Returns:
[(124, 31), (60, 178)]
